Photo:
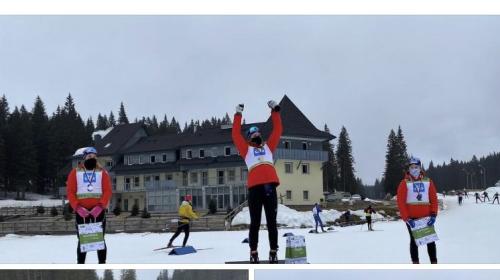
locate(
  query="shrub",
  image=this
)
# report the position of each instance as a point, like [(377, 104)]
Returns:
[(40, 209), (135, 210), (53, 211), (145, 213), (117, 211)]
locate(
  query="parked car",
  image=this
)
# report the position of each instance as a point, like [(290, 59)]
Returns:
[(356, 197)]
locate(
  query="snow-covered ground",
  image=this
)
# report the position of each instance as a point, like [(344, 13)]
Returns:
[(293, 218), (468, 234)]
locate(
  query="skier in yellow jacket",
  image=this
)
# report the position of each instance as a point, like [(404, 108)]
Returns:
[(186, 215)]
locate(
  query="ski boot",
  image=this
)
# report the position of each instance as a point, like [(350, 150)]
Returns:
[(254, 257), (273, 256)]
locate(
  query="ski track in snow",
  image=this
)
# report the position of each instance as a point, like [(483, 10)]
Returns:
[(468, 234)]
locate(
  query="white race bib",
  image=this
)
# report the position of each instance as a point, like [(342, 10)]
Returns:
[(89, 184), (257, 156), (418, 192)]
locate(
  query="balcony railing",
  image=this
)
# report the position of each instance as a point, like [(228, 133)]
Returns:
[(301, 155), (159, 185)]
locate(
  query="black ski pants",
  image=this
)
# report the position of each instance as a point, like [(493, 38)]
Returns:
[(258, 197), (101, 254), (431, 249), (181, 227)]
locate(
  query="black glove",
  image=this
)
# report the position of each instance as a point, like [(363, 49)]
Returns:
[(239, 108), (273, 105)]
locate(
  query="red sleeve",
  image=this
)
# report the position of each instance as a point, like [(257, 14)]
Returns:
[(106, 189), (274, 139), (71, 189), (433, 198), (238, 140), (402, 194)]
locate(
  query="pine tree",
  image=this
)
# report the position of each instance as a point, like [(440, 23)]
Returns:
[(345, 163), (4, 116), (128, 274), (40, 125), (102, 123), (108, 275), (111, 120), (392, 174), (20, 156), (330, 168), (89, 126), (122, 116)]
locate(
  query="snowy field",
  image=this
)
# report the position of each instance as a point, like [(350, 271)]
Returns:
[(468, 233)]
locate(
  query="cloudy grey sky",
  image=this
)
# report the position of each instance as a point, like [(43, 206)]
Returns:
[(436, 76), (376, 274)]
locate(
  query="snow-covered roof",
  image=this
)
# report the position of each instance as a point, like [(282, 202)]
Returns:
[(102, 133)]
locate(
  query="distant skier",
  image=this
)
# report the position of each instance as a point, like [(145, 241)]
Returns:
[(369, 211), (347, 217), (495, 197), (478, 197), (444, 194), (89, 191), (460, 198), (486, 196), (186, 215), (317, 219), (262, 178), (466, 194), (417, 198)]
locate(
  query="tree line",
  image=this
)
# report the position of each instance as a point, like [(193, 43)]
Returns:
[(35, 146)]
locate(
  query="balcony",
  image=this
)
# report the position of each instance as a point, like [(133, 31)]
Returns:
[(128, 188), (309, 155), (159, 185)]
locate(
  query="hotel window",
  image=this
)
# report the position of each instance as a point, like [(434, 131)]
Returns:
[(231, 175), (194, 177), (164, 157), (204, 178), (227, 151), (305, 168), (184, 179), (153, 159), (127, 183), (288, 167), (244, 174), (202, 153), (220, 177), (306, 195), (304, 145), (289, 195), (288, 145), (189, 154), (136, 181)]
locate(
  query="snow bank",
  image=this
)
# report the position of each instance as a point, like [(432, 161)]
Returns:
[(30, 203), (289, 217)]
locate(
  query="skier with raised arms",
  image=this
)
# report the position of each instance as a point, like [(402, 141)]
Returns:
[(262, 177)]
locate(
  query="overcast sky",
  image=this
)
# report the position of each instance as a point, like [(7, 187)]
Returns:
[(376, 274), (436, 76)]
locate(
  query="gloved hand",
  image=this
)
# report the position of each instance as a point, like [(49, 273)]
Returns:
[(82, 212), (411, 223), (96, 211), (239, 108), (432, 220), (273, 105)]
